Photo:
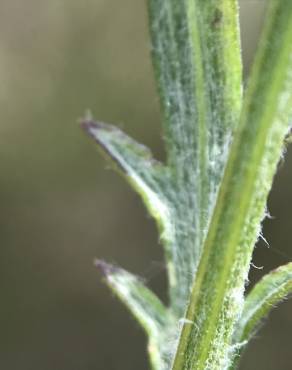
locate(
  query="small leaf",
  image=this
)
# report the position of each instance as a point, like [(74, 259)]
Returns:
[(145, 307), (147, 176), (134, 160), (265, 295), (268, 292), (151, 179), (143, 304)]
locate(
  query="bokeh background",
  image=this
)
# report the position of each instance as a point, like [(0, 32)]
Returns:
[(61, 206)]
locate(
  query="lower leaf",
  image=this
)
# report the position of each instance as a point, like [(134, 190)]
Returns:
[(146, 307), (266, 294)]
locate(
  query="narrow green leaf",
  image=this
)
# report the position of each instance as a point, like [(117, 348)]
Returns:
[(151, 179), (134, 160), (196, 56), (217, 294), (145, 307), (265, 295), (268, 292), (144, 304)]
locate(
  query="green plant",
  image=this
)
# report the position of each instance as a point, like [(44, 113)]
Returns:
[(210, 197)]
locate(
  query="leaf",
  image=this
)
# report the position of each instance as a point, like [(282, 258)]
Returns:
[(265, 295), (134, 160), (196, 57), (151, 179), (217, 295), (145, 307)]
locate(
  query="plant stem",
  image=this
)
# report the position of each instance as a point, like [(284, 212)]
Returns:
[(197, 64), (217, 295)]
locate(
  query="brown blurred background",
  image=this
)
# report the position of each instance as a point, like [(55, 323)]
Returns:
[(61, 207)]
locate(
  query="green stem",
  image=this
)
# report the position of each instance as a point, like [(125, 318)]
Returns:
[(197, 63), (217, 294)]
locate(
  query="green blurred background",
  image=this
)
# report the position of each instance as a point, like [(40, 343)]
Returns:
[(61, 207)]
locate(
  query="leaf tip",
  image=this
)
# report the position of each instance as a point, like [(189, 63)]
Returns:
[(105, 268), (89, 125)]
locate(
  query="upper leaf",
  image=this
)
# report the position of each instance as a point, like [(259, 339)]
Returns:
[(151, 179)]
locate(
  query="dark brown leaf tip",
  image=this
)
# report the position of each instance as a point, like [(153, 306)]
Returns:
[(96, 130), (105, 268), (88, 125)]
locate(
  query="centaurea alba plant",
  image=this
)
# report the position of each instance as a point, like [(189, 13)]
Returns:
[(209, 198)]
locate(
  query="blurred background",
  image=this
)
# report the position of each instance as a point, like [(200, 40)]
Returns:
[(60, 205)]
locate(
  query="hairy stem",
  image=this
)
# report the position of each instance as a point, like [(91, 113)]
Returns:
[(217, 294), (197, 64)]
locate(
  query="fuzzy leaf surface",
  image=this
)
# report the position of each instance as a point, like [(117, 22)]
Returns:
[(217, 294), (134, 161), (272, 289), (145, 307), (197, 63)]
